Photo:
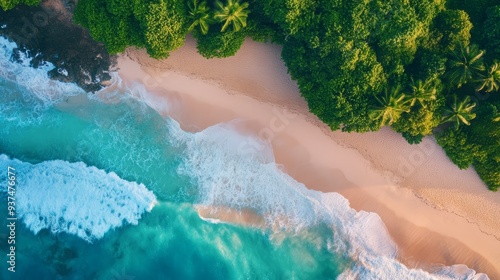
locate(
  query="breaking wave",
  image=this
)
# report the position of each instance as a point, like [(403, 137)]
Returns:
[(230, 174), (45, 90), (75, 198)]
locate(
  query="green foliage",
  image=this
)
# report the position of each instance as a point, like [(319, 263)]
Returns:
[(426, 10), (390, 107), (489, 171), (465, 64), (164, 28), (233, 13), (485, 131), (158, 26), (345, 54), (425, 114), (94, 15), (490, 80), (219, 44), (420, 121), (477, 144), (9, 4), (422, 92), (491, 32), (398, 34), (459, 112), (428, 65), (291, 15), (459, 149), (260, 27), (417, 123), (337, 86), (452, 28), (199, 15)]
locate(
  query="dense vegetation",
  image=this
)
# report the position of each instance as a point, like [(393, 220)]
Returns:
[(9, 4), (420, 66)]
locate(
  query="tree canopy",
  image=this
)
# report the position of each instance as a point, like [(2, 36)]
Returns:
[(9, 4), (159, 26)]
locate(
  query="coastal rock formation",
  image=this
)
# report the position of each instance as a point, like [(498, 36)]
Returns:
[(47, 33)]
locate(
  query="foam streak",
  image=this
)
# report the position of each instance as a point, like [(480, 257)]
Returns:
[(74, 198)]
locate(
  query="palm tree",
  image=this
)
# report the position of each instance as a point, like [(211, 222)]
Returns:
[(491, 81), (496, 118), (459, 112), (422, 92), (200, 15), (465, 63), (390, 107), (233, 13)]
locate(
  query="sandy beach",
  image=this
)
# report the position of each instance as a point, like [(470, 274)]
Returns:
[(436, 213)]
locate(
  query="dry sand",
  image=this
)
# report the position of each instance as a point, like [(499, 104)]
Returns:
[(436, 213)]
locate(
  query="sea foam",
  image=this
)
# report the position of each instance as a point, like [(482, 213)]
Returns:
[(36, 81), (75, 198), (229, 175)]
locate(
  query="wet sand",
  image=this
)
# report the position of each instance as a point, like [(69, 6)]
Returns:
[(436, 213)]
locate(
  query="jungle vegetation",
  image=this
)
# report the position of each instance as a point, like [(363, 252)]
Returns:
[(9, 4)]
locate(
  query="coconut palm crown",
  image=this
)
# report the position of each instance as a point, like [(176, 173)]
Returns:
[(491, 80), (465, 64), (233, 13), (422, 92), (459, 112), (199, 13), (390, 106)]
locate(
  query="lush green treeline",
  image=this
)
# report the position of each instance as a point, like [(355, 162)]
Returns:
[(9, 4), (421, 66), (479, 143), (161, 26)]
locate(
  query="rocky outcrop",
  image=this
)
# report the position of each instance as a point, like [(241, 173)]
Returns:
[(47, 33)]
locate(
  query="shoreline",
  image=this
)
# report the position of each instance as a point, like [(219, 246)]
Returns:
[(46, 33), (450, 220)]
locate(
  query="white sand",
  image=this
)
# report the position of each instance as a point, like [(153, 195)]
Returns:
[(436, 213)]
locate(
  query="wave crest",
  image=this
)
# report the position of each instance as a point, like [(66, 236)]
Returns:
[(75, 198), (45, 90)]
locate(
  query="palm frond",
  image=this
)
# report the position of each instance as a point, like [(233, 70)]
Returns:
[(459, 112)]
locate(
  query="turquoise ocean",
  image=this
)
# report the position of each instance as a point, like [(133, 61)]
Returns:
[(108, 189)]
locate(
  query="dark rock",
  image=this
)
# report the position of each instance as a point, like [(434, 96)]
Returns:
[(47, 33)]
